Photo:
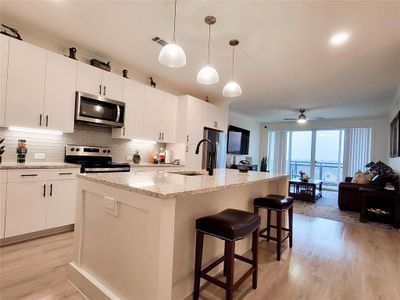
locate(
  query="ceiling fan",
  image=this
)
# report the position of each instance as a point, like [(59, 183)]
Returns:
[(302, 117)]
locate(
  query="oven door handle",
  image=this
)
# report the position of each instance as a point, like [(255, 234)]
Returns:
[(118, 114)]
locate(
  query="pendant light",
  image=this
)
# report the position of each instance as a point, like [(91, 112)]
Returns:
[(172, 55), (232, 88), (208, 74)]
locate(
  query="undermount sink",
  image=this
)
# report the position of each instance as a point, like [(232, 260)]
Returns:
[(188, 173)]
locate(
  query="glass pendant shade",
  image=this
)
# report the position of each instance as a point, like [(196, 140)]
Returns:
[(232, 89), (302, 119), (172, 55), (207, 75)]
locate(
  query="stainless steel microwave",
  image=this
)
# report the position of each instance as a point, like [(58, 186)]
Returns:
[(97, 110)]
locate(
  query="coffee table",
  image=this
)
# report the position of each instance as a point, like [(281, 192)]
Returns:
[(310, 190)]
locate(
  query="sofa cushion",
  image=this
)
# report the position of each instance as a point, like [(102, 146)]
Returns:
[(361, 178)]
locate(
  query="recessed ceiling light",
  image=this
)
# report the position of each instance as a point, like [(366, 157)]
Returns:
[(339, 38)]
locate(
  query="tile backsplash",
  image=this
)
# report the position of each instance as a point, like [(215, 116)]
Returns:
[(53, 146)]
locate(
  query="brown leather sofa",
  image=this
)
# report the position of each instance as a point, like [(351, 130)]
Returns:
[(349, 196)]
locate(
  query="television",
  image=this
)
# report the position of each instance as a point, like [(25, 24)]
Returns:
[(238, 140)]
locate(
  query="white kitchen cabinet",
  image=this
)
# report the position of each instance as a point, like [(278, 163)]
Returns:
[(159, 117), (60, 89), (26, 207), (113, 86), (134, 108), (95, 81), (60, 203), (193, 161), (4, 46), (191, 119), (3, 189), (25, 84), (216, 118)]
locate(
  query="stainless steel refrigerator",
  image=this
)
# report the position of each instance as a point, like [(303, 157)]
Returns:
[(218, 138)]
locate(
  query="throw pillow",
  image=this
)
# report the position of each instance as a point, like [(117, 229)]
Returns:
[(361, 178)]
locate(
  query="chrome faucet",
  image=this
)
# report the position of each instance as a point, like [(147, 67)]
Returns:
[(211, 160)]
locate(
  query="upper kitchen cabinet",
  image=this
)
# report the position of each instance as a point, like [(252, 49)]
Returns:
[(216, 118), (159, 118), (134, 106), (25, 84), (4, 46), (60, 88), (191, 119), (95, 81)]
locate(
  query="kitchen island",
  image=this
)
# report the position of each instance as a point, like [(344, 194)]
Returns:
[(135, 233)]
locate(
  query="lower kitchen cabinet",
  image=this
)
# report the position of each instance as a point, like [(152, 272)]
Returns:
[(3, 180), (60, 207), (25, 207), (38, 199)]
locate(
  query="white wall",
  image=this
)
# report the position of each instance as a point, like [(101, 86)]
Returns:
[(379, 126), (254, 128), (394, 162)]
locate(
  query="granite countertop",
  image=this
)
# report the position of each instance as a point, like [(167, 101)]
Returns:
[(166, 185), (154, 165), (36, 165)]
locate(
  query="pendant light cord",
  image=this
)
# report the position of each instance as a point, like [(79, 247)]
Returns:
[(173, 37), (209, 43), (233, 60)]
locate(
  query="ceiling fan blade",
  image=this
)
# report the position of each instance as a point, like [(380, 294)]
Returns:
[(317, 118)]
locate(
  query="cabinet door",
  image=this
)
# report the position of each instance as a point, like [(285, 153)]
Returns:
[(134, 109), (4, 45), (153, 115), (196, 115), (60, 89), (26, 207), (25, 84), (192, 160), (216, 117), (2, 209), (112, 86), (169, 103), (60, 203), (89, 79)]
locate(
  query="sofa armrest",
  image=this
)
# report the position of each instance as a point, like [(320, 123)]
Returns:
[(349, 186)]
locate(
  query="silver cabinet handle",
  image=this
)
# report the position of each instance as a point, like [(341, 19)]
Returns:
[(65, 173), (187, 148), (51, 190), (29, 175), (100, 89), (123, 131), (40, 120), (162, 136), (104, 90), (44, 190), (47, 120), (159, 136), (187, 138)]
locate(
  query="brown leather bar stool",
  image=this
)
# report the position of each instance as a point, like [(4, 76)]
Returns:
[(280, 204), (229, 225)]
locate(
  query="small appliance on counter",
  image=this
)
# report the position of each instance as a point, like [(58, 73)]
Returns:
[(94, 159), (21, 151)]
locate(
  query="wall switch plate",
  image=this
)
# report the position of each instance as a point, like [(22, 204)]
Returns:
[(111, 206), (40, 156)]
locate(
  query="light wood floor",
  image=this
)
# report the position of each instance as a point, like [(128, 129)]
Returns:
[(329, 260)]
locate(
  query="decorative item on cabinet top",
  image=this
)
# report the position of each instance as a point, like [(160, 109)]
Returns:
[(99, 64), (14, 32), (152, 82), (125, 74), (72, 53)]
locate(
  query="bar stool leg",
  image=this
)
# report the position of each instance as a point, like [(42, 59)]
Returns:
[(268, 224), (197, 266), (230, 262), (254, 249), (226, 258), (278, 234), (291, 226)]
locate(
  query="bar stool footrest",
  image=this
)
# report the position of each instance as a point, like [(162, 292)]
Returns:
[(274, 238)]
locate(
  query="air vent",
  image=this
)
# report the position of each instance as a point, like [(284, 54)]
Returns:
[(159, 41)]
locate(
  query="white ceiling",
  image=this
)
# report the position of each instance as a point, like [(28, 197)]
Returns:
[(284, 60)]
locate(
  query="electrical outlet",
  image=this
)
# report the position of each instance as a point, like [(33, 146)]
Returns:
[(111, 206), (40, 156)]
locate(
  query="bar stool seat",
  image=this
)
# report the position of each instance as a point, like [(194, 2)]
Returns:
[(229, 225), (276, 202), (280, 204)]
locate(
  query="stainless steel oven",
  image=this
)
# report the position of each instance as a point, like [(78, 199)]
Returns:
[(97, 110)]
